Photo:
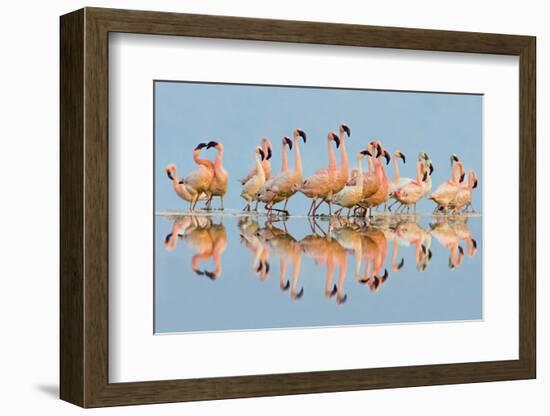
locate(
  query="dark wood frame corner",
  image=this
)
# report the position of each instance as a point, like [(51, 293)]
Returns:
[(84, 207)]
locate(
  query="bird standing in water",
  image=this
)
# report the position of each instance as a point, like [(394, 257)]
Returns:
[(254, 184)]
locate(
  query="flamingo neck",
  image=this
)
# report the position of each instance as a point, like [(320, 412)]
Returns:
[(359, 183), (218, 164), (331, 157), (371, 165), (470, 183), (381, 170), (284, 163), (201, 162), (259, 167), (455, 173), (419, 172), (175, 179), (395, 168), (344, 153), (298, 157)]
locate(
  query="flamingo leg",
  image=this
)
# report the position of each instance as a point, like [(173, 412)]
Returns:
[(311, 207)]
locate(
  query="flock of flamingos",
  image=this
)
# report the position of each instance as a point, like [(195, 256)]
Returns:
[(368, 240), (350, 188)]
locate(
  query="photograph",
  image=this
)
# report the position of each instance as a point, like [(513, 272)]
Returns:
[(281, 207)]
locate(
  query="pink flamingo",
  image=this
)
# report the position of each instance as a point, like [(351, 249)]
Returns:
[(181, 189), (255, 183), (411, 193), (371, 181), (382, 193), (270, 197), (398, 181), (320, 184), (198, 181), (218, 187), (266, 163), (448, 190), (464, 196), (287, 183), (351, 195)]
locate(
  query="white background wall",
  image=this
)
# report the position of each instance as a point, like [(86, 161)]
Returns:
[(29, 85)]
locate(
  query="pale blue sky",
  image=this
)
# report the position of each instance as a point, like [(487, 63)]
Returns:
[(240, 115)]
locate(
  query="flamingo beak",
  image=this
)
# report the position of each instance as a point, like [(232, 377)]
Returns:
[(169, 236), (302, 134), (431, 168), (425, 177), (288, 142), (378, 150), (211, 144), (169, 175), (475, 184), (401, 264), (454, 158), (387, 157), (200, 146), (269, 153), (461, 178), (210, 275), (366, 153), (402, 156), (346, 129), (262, 154), (336, 140)]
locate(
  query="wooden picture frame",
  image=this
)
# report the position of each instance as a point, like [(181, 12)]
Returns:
[(84, 207)]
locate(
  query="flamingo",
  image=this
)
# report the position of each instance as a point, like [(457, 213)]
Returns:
[(398, 181), (269, 197), (371, 181), (411, 193), (464, 196), (218, 187), (351, 195), (199, 180), (287, 183), (423, 156), (448, 190), (266, 163), (251, 188), (320, 184), (342, 176), (381, 195), (180, 188)]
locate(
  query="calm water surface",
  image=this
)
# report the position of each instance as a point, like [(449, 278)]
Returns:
[(217, 272)]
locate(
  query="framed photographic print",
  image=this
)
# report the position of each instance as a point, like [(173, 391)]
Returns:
[(255, 207)]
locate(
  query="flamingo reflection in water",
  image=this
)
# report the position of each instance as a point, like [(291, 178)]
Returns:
[(408, 232), (284, 245), (325, 250), (367, 241), (250, 238), (208, 239)]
